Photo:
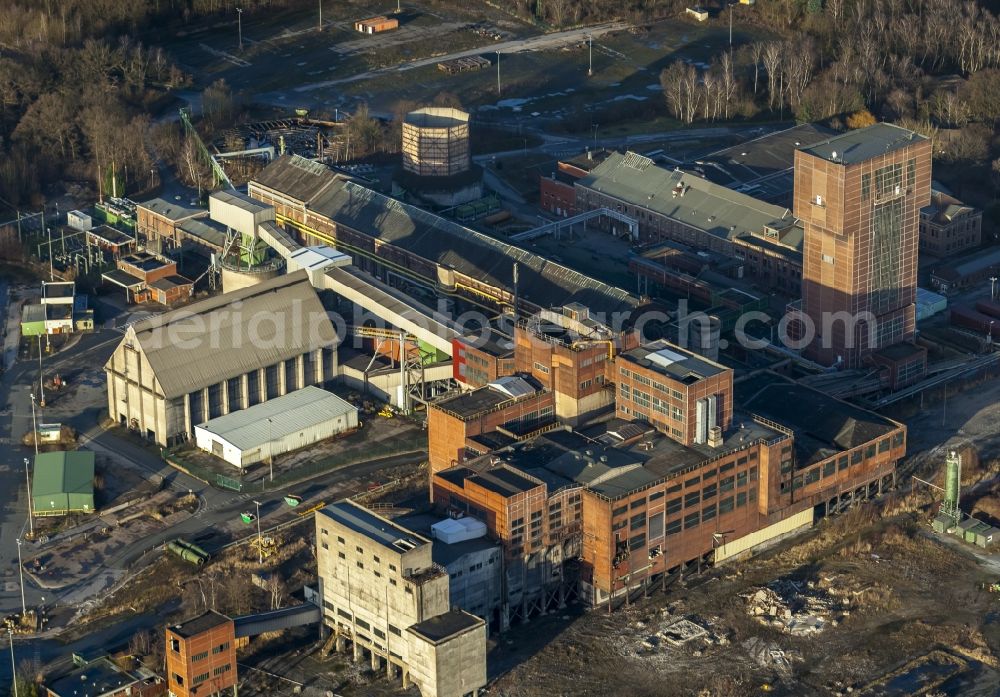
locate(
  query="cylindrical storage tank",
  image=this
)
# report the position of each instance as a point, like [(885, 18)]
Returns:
[(704, 333), (952, 480), (436, 142), (235, 278)]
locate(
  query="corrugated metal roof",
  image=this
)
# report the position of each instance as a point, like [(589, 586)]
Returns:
[(288, 414), (233, 333), (63, 473), (295, 177), (685, 197), (541, 281)]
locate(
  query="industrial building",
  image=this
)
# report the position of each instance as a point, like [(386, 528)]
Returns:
[(948, 226), (437, 162), (676, 205), (104, 677), (636, 504), (149, 277), (183, 368), (407, 623), (762, 167), (111, 240), (376, 25), (158, 221), (557, 192), (59, 311), (280, 425), (693, 469), (511, 407), (483, 355), (966, 271), (201, 656), (473, 561), (63, 483), (412, 249), (566, 350), (859, 196)]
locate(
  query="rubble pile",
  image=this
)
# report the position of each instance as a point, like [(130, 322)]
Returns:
[(799, 609), (665, 630)]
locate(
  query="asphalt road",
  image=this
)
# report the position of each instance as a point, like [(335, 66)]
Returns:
[(531, 43)]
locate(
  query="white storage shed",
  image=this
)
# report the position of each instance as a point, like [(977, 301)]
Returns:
[(280, 425)]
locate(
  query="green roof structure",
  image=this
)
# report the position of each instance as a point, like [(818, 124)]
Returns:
[(63, 483)]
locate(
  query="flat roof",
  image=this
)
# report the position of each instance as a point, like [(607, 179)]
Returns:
[(96, 679), (171, 211), (58, 289), (969, 264), (111, 235), (240, 200), (504, 481), (491, 341), (436, 117), (123, 278), (822, 425), (686, 197), (469, 404), (673, 361), (446, 625), (381, 530), (766, 156), (278, 418), (146, 262), (864, 144), (200, 624), (170, 282), (605, 458)]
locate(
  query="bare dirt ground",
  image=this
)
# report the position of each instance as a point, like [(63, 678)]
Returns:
[(899, 610)]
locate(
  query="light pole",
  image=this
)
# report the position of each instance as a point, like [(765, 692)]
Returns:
[(20, 573), (239, 25), (13, 668), (991, 331), (320, 15), (596, 125), (52, 271), (993, 288), (41, 379), (270, 449), (260, 547), (590, 67), (34, 425), (27, 479), (498, 73), (730, 25)]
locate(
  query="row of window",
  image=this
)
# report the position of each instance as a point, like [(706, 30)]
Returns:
[(831, 467), (644, 380), (739, 479)]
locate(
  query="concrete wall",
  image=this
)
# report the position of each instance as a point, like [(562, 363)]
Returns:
[(135, 396), (454, 667), (378, 596)]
